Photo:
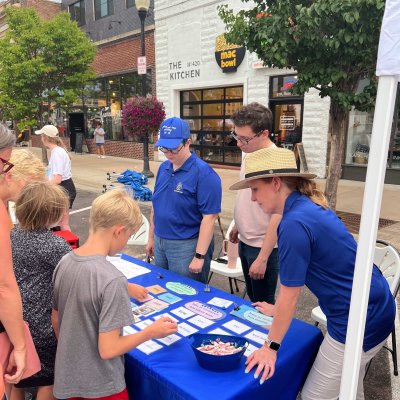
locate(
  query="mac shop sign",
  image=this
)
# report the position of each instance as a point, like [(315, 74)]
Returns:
[(228, 56)]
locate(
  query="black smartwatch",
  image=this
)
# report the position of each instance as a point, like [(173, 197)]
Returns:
[(200, 256), (272, 345)]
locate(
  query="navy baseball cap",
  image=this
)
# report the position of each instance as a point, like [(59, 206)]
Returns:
[(172, 132)]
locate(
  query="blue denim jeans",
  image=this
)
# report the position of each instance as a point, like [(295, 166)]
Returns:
[(176, 256), (263, 289)]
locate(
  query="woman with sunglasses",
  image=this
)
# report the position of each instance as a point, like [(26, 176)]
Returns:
[(316, 250), (10, 300)]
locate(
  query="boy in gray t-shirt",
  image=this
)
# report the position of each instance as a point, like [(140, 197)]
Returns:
[(91, 306)]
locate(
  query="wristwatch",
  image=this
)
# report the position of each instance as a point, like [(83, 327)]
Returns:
[(200, 256), (271, 344)]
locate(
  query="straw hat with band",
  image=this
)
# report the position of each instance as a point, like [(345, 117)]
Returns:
[(267, 163)]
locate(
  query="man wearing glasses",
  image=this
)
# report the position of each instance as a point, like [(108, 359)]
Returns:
[(186, 202), (255, 231)]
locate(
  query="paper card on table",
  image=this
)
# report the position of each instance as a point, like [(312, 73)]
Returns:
[(147, 298), (129, 269), (168, 340), (149, 347), (236, 326), (185, 329), (157, 304), (219, 331), (181, 288), (128, 330), (257, 336), (156, 289), (144, 310), (219, 302), (250, 349), (143, 324), (169, 298), (182, 312), (205, 310), (166, 315), (252, 315), (200, 321)]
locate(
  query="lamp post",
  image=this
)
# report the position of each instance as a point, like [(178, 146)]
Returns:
[(143, 6)]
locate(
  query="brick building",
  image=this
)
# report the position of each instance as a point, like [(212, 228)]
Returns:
[(114, 26)]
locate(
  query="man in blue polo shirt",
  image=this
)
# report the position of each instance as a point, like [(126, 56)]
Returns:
[(186, 202)]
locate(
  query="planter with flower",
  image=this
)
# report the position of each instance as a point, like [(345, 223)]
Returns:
[(141, 118)]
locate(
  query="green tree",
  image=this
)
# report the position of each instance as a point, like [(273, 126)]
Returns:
[(332, 44), (43, 63)]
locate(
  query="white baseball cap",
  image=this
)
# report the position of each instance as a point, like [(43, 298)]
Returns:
[(48, 130)]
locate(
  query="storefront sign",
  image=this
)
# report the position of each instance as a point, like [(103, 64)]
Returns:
[(287, 122), (180, 70), (228, 56), (141, 65)]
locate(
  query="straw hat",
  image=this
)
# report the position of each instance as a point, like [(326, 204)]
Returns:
[(267, 163)]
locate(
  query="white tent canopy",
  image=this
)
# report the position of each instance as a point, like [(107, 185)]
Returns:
[(388, 70)]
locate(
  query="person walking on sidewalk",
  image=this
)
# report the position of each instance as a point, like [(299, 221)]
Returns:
[(59, 168), (186, 202), (99, 136), (254, 230)]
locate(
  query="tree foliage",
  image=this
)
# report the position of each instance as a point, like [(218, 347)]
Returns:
[(42, 63), (332, 44)]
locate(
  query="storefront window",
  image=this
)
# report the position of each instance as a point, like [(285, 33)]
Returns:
[(281, 85), (207, 112)]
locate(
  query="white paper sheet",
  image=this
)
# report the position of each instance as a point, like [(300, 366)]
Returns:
[(219, 302), (128, 330), (149, 347), (185, 329), (129, 269), (143, 324), (166, 315), (236, 326), (168, 340), (250, 350), (219, 331), (200, 321), (257, 336), (182, 312)]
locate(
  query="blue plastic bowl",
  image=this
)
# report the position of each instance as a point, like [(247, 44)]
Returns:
[(213, 362)]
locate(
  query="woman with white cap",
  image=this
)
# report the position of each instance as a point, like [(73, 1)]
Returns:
[(316, 250), (59, 168)]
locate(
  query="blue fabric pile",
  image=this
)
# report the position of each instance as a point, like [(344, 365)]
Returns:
[(136, 181)]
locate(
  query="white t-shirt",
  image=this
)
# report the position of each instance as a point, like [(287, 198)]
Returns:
[(60, 163), (99, 135), (250, 220)]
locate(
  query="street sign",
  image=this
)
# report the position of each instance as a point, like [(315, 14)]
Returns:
[(141, 65)]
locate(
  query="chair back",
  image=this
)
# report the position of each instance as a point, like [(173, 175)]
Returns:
[(141, 237), (225, 242), (387, 259)]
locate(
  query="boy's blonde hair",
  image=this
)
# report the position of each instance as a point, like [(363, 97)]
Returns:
[(27, 166), (40, 205), (112, 208)]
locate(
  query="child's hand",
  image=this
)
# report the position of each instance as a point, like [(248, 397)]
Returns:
[(137, 292), (164, 326), (265, 308)]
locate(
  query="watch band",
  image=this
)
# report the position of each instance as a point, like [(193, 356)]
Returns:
[(200, 256), (271, 344)]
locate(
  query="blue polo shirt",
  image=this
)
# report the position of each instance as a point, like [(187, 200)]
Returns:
[(316, 250), (183, 196)]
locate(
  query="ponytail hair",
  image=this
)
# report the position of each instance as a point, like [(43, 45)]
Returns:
[(57, 141), (308, 187)]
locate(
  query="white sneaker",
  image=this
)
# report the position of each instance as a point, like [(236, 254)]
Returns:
[(98, 156), (103, 156)]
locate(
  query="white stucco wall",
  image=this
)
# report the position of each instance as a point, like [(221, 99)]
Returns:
[(185, 33)]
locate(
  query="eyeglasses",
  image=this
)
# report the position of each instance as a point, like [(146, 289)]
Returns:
[(172, 151), (244, 140), (6, 166)]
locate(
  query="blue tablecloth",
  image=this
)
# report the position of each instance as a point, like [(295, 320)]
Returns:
[(173, 373)]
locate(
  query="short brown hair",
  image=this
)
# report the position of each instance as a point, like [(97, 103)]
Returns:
[(255, 115), (40, 205), (115, 207)]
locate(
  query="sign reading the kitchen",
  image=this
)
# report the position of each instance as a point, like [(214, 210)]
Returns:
[(228, 56)]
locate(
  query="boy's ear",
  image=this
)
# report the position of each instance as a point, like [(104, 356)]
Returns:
[(118, 229)]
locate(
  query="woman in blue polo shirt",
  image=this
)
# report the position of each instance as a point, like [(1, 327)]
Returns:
[(316, 250), (186, 202)]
